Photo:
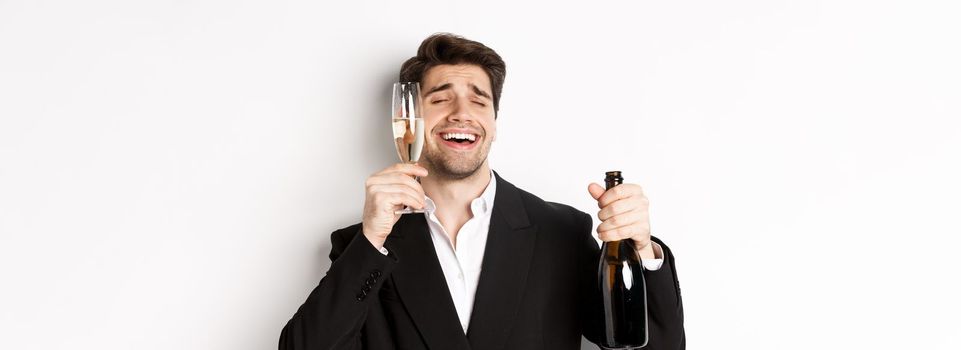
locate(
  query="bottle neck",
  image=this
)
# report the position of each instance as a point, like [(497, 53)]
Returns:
[(612, 178)]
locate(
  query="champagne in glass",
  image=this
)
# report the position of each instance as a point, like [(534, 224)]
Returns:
[(408, 126), (409, 138)]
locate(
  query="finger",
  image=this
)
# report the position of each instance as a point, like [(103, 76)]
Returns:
[(617, 221), (615, 234), (406, 169), (409, 201), (619, 192), (383, 193), (403, 168), (595, 190), (396, 179), (393, 200), (625, 233), (380, 192), (618, 207)]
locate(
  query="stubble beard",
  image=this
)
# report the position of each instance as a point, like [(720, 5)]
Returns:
[(454, 165)]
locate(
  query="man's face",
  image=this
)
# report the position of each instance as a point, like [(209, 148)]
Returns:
[(458, 112)]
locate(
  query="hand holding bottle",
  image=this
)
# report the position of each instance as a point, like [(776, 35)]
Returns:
[(623, 215)]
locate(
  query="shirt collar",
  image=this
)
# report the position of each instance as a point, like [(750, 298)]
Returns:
[(479, 206)]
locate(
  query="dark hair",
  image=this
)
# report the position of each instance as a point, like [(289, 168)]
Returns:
[(446, 48)]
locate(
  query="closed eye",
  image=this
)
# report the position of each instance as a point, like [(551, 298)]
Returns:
[(482, 104), (438, 101)]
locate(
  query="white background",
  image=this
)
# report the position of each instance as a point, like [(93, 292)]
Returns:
[(170, 171)]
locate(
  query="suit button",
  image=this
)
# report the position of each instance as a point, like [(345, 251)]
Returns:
[(375, 274), (370, 281), (360, 296), (365, 289)]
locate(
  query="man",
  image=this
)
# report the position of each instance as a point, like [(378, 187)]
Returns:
[(488, 265)]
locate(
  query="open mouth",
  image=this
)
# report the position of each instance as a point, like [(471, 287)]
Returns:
[(458, 140)]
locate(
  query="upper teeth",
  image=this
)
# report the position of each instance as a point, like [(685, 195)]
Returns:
[(449, 136)]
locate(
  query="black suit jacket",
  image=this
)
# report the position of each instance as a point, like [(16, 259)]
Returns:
[(538, 288)]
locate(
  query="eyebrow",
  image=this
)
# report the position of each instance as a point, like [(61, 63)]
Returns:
[(480, 92), (438, 88), (447, 86)]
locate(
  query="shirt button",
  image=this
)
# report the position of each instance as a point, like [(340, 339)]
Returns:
[(460, 276)]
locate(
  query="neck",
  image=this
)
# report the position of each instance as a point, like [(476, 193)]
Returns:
[(452, 198), (457, 194)]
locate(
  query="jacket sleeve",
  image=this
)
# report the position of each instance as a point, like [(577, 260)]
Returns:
[(665, 311), (335, 311), (664, 307)]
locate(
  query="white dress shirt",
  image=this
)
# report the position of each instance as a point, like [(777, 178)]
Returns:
[(462, 264)]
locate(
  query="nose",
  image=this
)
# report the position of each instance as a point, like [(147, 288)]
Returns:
[(461, 111)]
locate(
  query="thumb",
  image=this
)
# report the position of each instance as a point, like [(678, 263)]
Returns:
[(595, 190)]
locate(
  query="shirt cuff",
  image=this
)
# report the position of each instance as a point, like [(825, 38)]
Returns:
[(654, 264), (384, 251)]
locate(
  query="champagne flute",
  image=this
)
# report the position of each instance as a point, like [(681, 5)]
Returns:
[(408, 126)]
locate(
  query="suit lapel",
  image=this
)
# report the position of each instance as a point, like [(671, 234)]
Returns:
[(421, 285), (507, 259)]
